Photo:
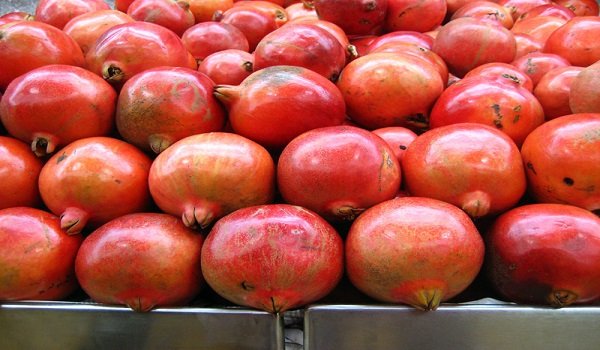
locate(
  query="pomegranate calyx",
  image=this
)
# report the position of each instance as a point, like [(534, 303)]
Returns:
[(561, 298), (198, 217), (138, 306), (73, 220), (159, 143), (43, 145), (348, 213), (113, 74), (352, 51), (226, 94), (428, 299), (476, 204)]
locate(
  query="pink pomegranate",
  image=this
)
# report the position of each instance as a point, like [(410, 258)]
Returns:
[(272, 257), (413, 250), (356, 17), (142, 260)]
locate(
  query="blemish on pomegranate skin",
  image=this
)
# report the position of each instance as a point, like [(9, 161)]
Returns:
[(530, 167), (246, 286), (568, 181)]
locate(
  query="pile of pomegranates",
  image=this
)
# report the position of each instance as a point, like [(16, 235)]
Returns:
[(156, 151)]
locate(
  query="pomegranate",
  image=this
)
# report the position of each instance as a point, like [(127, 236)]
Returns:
[(160, 106), (577, 41), (302, 45), (300, 10), (562, 159), (487, 10), (398, 138), (142, 260), (475, 167), (99, 179), (553, 91), (85, 29), (580, 7), (545, 254), (418, 16), (58, 12), (205, 38), (511, 109), (18, 174), (390, 89), (536, 64), (37, 258), (413, 250), (53, 46), (552, 9), (526, 44), (273, 257), (204, 10), (129, 48), (480, 42), (228, 67), (255, 109), (338, 172), (583, 95), (519, 7), (54, 105), (539, 27), (401, 36), (502, 72), (355, 17), (171, 14), (203, 177)]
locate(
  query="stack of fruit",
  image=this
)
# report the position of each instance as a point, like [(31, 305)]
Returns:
[(265, 149)]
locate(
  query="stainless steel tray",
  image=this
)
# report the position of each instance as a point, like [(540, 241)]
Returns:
[(73, 325), (481, 324)]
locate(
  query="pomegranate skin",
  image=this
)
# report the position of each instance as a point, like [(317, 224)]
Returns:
[(37, 258), (142, 260), (98, 179), (562, 161), (355, 17), (475, 167), (413, 250), (273, 257), (338, 172), (545, 254)]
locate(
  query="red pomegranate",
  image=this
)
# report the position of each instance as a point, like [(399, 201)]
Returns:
[(577, 41), (160, 106), (85, 29), (19, 174), (398, 138), (545, 254), (203, 177), (94, 180), (401, 36), (480, 42), (228, 67), (475, 167), (129, 48), (390, 89), (171, 14), (562, 159), (553, 9), (583, 95), (273, 257), (255, 106), (37, 258), (519, 7), (142, 260), (502, 72), (206, 38), (511, 109), (536, 64), (421, 16), (204, 10), (300, 10), (53, 46), (526, 44), (58, 12), (338, 172), (54, 105), (356, 17), (303, 45), (487, 10), (413, 250), (580, 7), (539, 27), (553, 91)]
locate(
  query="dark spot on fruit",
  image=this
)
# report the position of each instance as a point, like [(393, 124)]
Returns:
[(530, 167), (370, 6), (498, 121), (61, 157), (498, 124), (512, 267), (402, 147), (2, 35), (512, 78), (418, 120), (530, 66), (118, 181), (334, 76), (247, 286), (568, 181)]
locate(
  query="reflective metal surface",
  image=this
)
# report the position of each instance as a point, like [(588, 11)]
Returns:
[(67, 326), (485, 324)]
